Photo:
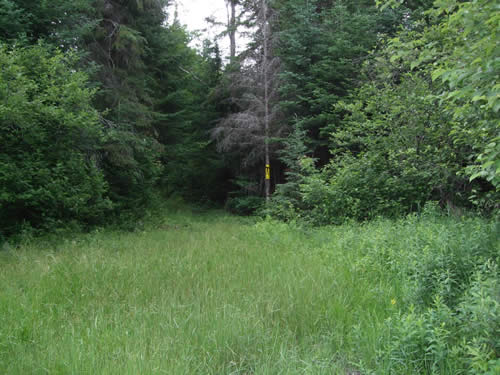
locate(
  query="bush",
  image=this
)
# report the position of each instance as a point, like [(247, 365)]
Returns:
[(450, 293), (50, 135), (355, 188), (442, 340), (245, 205)]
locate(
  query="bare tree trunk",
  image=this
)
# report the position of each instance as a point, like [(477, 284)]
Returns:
[(232, 30), (265, 31)]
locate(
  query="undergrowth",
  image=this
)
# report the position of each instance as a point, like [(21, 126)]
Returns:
[(191, 292)]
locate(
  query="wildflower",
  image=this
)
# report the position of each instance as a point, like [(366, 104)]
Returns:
[(393, 301)]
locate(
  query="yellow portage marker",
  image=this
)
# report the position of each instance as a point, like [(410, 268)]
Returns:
[(268, 172)]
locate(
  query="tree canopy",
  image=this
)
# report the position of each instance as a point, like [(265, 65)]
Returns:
[(359, 109)]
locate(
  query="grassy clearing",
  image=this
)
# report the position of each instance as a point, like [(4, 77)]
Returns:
[(202, 294)]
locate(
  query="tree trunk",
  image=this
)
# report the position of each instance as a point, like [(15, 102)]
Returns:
[(266, 96), (232, 31)]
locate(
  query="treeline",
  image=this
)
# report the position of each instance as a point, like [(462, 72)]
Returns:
[(359, 109), (388, 106), (102, 103)]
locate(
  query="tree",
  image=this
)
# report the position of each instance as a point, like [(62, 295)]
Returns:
[(50, 135), (424, 109), (232, 27), (119, 46), (184, 84), (63, 23), (237, 23), (458, 49), (251, 129), (470, 72), (322, 47), (148, 114)]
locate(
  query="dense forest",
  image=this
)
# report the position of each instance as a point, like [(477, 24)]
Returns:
[(332, 110)]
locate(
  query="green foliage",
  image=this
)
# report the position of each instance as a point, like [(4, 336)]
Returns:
[(152, 90), (403, 119), (244, 205), (12, 20), (418, 123), (117, 46), (443, 262), (442, 340), (287, 202), (448, 313), (397, 138), (458, 48), (415, 129), (62, 22), (470, 72), (359, 188), (355, 188), (366, 187), (50, 135), (185, 82), (395, 171), (132, 167), (322, 47)]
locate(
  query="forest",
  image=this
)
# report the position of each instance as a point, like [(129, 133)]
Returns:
[(359, 109), (360, 135)]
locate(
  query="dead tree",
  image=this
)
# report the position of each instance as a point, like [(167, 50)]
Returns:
[(254, 88)]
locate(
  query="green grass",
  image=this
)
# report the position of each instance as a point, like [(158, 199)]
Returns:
[(199, 294)]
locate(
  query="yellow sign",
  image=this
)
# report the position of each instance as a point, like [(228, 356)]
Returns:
[(268, 172)]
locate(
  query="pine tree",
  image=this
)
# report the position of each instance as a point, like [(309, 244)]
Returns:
[(322, 47), (119, 46)]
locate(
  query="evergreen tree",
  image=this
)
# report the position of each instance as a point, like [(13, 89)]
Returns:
[(60, 22), (50, 136), (410, 132), (119, 46), (184, 83), (151, 91), (322, 47)]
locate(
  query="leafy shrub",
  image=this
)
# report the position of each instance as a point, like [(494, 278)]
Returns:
[(50, 135), (282, 207), (445, 260), (244, 205), (421, 125), (384, 163), (287, 201), (306, 197), (354, 188), (450, 293), (376, 185), (442, 340)]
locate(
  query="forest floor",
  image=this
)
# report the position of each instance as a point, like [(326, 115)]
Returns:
[(198, 294)]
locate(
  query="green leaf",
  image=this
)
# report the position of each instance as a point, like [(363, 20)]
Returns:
[(437, 73)]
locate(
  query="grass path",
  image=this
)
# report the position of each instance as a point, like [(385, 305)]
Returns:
[(207, 294)]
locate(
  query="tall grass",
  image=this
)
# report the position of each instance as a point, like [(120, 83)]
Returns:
[(204, 294)]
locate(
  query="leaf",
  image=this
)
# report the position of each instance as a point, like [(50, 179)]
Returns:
[(437, 73), (478, 98)]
